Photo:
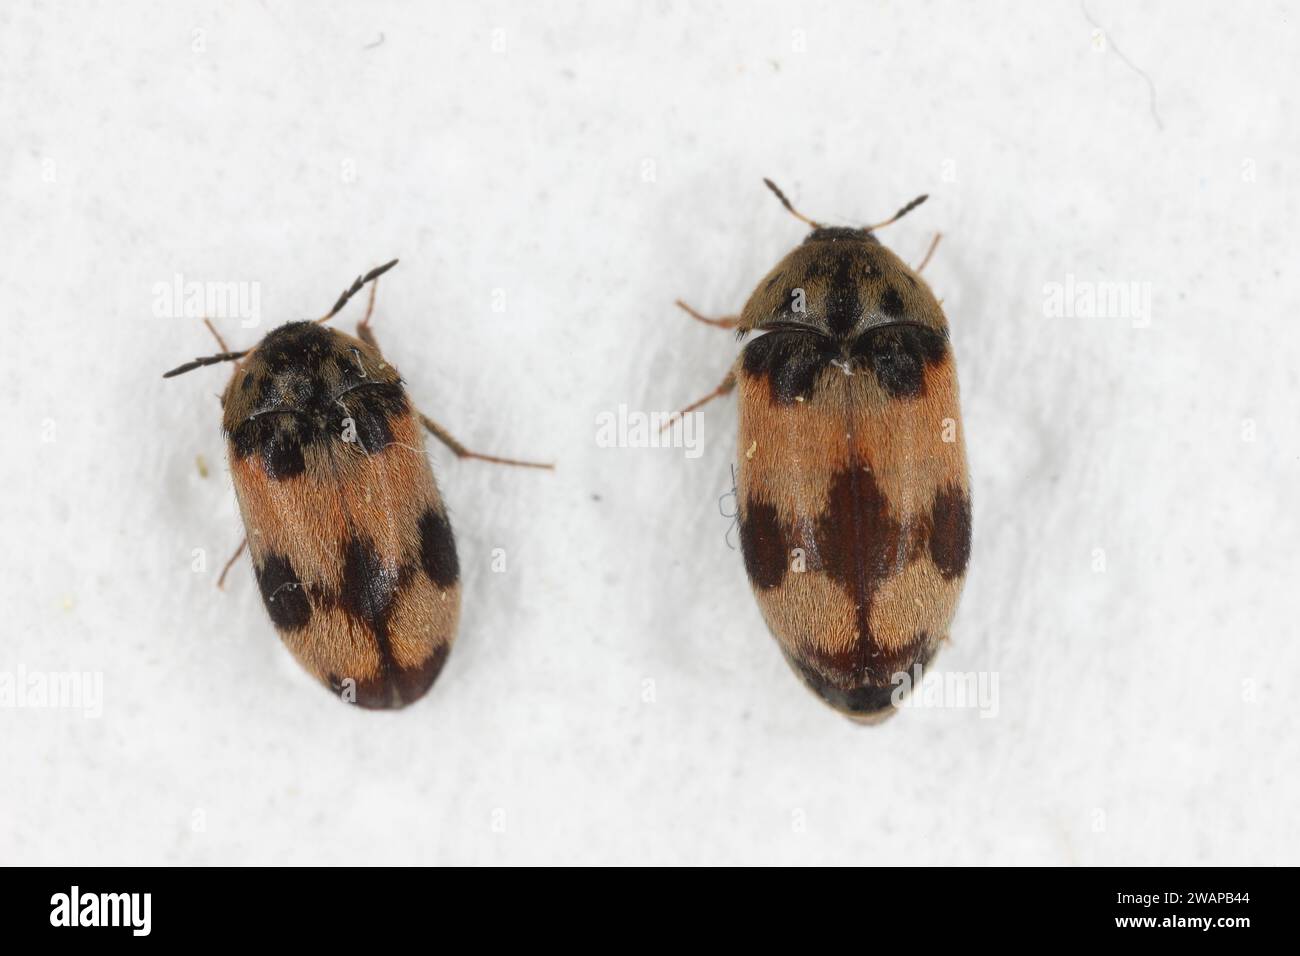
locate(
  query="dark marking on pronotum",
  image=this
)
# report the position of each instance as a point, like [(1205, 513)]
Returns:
[(891, 303), (296, 346), (842, 307), (950, 534), (837, 234), (438, 549), (763, 545), (282, 593)]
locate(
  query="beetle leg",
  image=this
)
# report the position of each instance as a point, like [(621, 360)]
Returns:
[(723, 388), (366, 335), (929, 252), (363, 327), (216, 335), (461, 451), (726, 322), (221, 581)]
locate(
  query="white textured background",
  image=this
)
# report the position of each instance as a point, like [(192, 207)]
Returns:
[(1146, 711)]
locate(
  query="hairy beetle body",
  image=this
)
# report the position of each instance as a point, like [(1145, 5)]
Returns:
[(350, 541), (351, 544), (852, 485)]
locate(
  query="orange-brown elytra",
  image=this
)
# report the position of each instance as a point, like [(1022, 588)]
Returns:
[(350, 540), (852, 486)]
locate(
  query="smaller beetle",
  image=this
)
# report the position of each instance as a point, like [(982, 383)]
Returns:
[(351, 543), (852, 488)]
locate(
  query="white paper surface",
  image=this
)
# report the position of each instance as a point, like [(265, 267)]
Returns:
[(552, 179)]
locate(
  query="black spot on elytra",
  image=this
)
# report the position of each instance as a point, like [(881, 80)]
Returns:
[(876, 695), (898, 354), (395, 687), (950, 521), (791, 361), (282, 456), (371, 407), (438, 549), (276, 438), (374, 434), (859, 544), (244, 439), (412, 682), (891, 303), (764, 545), (282, 593), (866, 700), (369, 587), (863, 700), (246, 383)]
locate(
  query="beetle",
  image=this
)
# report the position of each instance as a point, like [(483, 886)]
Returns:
[(852, 486), (350, 540)]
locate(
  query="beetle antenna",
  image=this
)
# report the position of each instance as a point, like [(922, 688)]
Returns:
[(356, 287), (786, 203), (900, 214), (206, 360)]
